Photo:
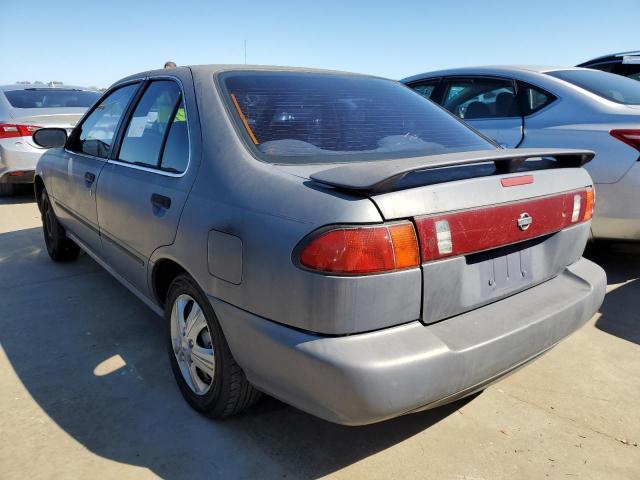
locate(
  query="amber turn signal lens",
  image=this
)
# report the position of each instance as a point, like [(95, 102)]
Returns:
[(590, 204), (363, 250)]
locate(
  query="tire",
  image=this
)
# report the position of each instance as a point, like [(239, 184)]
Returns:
[(6, 189), (215, 386), (60, 247)]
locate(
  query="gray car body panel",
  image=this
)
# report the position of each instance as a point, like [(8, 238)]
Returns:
[(576, 119), (239, 227)]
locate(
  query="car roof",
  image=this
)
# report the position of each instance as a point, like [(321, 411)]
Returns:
[(612, 56), (218, 68), (44, 86), (503, 70)]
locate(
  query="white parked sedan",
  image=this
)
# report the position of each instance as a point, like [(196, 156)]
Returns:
[(522, 106)]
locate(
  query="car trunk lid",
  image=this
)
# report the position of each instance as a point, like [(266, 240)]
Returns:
[(504, 225)]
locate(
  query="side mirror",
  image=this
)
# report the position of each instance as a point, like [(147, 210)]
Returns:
[(50, 137)]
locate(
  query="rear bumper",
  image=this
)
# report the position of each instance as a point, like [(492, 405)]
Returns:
[(365, 378), (17, 156)]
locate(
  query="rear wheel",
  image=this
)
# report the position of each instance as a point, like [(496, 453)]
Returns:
[(207, 374), (60, 247), (6, 189)]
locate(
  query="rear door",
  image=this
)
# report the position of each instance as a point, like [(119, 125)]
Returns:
[(73, 185), (489, 105), (143, 187)]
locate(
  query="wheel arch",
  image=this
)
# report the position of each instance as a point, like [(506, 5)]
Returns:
[(38, 187), (164, 271)]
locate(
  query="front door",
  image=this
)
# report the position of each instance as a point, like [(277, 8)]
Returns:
[(490, 105), (83, 160), (143, 187)]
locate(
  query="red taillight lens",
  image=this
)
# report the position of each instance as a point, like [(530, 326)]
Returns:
[(479, 229), (363, 250), (8, 130), (629, 136)]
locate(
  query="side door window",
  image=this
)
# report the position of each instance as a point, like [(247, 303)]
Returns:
[(96, 133), (175, 155), (476, 98), (150, 124), (426, 88)]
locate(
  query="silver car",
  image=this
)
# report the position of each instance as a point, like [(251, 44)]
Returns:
[(25, 108), (334, 240), (524, 107)]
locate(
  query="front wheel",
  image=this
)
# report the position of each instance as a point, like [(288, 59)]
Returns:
[(60, 247), (205, 370)]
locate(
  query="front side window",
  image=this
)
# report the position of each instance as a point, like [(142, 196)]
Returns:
[(51, 98), (95, 134), (606, 85), (293, 117), (481, 98), (146, 131)]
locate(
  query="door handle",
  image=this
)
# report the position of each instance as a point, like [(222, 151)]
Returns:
[(89, 178), (160, 201)]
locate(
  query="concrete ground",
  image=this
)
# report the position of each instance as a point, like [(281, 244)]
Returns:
[(86, 392)]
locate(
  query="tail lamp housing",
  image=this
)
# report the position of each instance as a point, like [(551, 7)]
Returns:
[(370, 249), (9, 130), (627, 135), (362, 250)]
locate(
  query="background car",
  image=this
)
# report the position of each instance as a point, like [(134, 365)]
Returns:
[(626, 64), (322, 236), (25, 108), (521, 106)]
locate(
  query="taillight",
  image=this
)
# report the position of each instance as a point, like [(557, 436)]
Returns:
[(629, 136), (362, 250), (476, 230), (8, 130)]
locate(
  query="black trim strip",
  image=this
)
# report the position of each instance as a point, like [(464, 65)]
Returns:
[(122, 248), (139, 259), (78, 217)]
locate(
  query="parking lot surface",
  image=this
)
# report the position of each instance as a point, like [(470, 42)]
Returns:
[(86, 392)]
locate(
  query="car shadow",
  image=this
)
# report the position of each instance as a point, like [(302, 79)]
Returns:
[(22, 194), (97, 366), (619, 315)]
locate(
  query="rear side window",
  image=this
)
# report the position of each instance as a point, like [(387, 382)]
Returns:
[(95, 134), (175, 156), (481, 98), (51, 98), (534, 98), (606, 85), (145, 133), (425, 89), (293, 117)]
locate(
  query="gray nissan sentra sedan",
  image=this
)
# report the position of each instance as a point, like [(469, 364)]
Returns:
[(334, 240)]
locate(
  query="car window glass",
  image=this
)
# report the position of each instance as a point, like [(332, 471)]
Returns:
[(296, 117), (425, 89), (51, 98), (535, 98), (481, 98), (607, 85), (95, 135), (145, 132), (176, 151)]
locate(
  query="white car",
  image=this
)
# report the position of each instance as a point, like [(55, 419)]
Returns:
[(23, 109), (522, 106)]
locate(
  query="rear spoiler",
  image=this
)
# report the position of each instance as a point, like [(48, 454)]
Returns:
[(382, 176)]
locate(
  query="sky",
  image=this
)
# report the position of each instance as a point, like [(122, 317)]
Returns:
[(95, 43)]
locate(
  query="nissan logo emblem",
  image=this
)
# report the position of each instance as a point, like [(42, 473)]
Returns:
[(524, 221)]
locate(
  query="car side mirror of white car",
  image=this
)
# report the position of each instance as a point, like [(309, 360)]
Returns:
[(50, 137)]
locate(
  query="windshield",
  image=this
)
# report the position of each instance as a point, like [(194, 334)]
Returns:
[(294, 117), (51, 98), (607, 85)]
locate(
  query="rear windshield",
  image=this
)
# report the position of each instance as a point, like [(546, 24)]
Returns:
[(607, 85), (317, 118), (50, 98)]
